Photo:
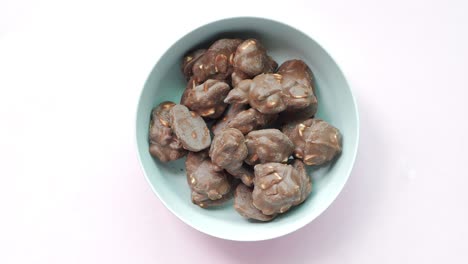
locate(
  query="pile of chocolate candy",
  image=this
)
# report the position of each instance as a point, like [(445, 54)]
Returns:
[(263, 126)]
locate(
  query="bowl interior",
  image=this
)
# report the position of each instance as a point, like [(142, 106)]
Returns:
[(336, 106)]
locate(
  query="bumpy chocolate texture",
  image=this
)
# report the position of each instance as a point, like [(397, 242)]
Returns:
[(204, 202), (251, 59), (189, 60), (316, 142), (297, 83), (164, 144), (278, 187), (237, 76), (289, 90), (209, 183), (244, 206), (306, 183), (251, 119), (189, 128), (206, 99), (268, 145), (245, 173), (216, 62), (287, 117), (296, 72), (229, 114), (264, 93), (228, 151)]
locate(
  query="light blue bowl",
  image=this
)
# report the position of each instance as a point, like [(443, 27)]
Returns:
[(336, 105)]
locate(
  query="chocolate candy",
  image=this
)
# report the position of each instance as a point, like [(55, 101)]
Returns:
[(288, 117), (298, 89), (228, 151), (278, 187), (268, 145), (264, 93), (204, 202), (164, 144), (216, 62), (190, 128), (244, 206), (209, 183), (189, 61), (251, 58), (246, 145), (251, 119), (296, 72), (237, 76), (305, 181), (229, 114), (316, 142), (290, 90), (206, 99), (245, 173)]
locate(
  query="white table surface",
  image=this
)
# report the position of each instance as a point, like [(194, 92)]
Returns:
[(72, 191)]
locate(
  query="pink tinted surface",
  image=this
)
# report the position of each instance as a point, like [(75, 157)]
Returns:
[(72, 191)]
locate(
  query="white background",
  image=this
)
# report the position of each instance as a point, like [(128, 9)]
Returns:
[(72, 191)]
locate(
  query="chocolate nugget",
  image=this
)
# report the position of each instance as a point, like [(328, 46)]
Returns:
[(209, 183), (164, 144), (244, 206), (190, 128), (268, 145), (315, 141)]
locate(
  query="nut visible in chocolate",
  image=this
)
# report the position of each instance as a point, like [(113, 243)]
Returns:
[(208, 182), (251, 58), (216, 62), (164, 144), (244, 206), (206, 99), (190, 128), (268, 145), (278, 187), (315, 141)]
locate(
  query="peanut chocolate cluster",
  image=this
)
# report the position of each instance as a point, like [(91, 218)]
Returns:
[(264, 126)]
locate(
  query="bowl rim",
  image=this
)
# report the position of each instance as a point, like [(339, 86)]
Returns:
[(293, 228)]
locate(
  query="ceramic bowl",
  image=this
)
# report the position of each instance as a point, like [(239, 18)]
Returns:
[(336, 105)]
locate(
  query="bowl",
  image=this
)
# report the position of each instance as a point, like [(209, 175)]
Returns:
[(336, 105)]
